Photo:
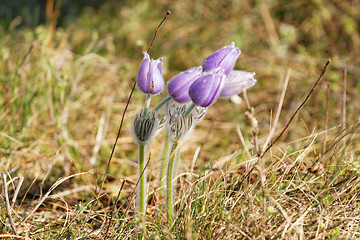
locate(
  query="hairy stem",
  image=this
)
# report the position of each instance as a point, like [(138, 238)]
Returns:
[(164, 164), (169, 183), (147, 103), (141, 196)]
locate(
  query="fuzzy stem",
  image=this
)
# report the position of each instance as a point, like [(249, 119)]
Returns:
[(160, 104), (169, 184), (147, 103), (141, 196), (164, 164)]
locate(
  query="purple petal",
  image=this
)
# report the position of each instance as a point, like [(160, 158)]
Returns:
[(200, 89), (160, 65), (229, 61), (217, 84), (225, 58), (143, 73), (206, 89), (178, 86), (157, 82), (150, 79)]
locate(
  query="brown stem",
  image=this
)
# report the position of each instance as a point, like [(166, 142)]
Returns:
[(7, 204)]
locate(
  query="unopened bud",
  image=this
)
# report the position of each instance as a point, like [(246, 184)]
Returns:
[(144, 126), (179, 125)]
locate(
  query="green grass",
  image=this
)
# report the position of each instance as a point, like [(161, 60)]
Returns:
[(54, 93)]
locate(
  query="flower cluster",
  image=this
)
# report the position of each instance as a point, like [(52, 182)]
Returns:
[(213, 79), (202, 85), (191, 93)]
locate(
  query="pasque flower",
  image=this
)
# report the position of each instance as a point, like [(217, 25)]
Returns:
[(224, 58), (178, 86), (150, 77), (206, 89), (236, 81)]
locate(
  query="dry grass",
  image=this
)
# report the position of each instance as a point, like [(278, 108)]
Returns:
[(63, 96)]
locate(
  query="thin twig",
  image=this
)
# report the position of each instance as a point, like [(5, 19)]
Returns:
[(326, 116), (298, 109), (343, 119), (117, 138), (21, 180), (289, 122), (12, 180), (157, 29), (113, 209), (344, 100), (7, 204)]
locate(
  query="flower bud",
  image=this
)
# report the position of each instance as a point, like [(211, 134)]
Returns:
[(145, 126), (179, 126), (206, 89), (224, 58), (150, 77), (178, 86), (236, 81)]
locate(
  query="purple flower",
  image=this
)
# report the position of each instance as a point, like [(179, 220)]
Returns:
[(236, 81), (225, 58), (178, 86), (206, 89), (150, 79)]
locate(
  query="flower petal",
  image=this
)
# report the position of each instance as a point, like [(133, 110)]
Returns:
[(206, 89), (150, 79), (143, 73), (200, 89), (217, 84), (224, 58), (178, 86), (237, 81)]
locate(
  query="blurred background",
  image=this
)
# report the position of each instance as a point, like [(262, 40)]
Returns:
[(67, 67)]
